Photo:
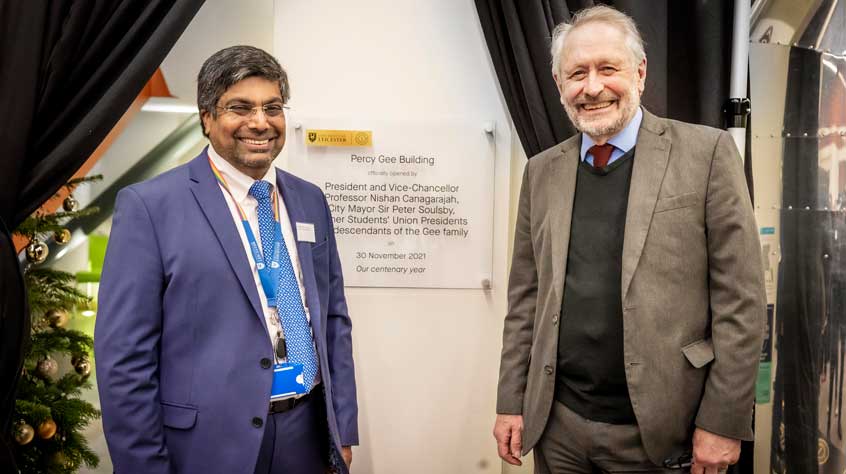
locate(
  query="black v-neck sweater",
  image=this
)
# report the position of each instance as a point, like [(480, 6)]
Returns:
[(591, 378)]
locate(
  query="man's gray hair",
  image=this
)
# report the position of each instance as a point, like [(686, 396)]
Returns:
[(597, 14), (229, 66)]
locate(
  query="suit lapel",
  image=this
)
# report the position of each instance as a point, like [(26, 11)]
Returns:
[(213, 204), (562, 186), (650, 164), (296, 213)]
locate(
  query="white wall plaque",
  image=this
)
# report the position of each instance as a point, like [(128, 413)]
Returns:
[(413, 210)]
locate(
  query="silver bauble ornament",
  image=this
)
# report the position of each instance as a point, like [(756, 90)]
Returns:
[(70, 204), (24, 433), (62, 237), (47, 368), (57, 318), (36, 252)]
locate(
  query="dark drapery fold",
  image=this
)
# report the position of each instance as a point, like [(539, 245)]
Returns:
[(14, 335), (688, 50), (75, 69), (517, 33), (68, 72)]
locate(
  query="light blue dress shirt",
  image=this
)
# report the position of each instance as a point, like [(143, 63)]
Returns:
[(623, 141)]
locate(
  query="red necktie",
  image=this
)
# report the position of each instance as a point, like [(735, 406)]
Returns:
[(601, 154)]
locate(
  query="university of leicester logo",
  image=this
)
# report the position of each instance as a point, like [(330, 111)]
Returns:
[(312, 136)]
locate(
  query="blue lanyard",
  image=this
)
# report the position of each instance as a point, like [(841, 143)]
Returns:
[(268, 276)]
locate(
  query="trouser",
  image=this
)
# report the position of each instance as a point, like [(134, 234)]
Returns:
[(295, 441), (572, 444)]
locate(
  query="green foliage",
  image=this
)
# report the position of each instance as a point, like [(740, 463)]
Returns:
[(51, 289), (60, 340), (42, 224), (72, 184), (41, 397)]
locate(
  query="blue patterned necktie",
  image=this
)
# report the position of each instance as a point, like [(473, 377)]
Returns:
[(289, 305)]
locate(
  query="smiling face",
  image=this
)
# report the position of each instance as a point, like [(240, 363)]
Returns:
[(599, 81), (250, 143)]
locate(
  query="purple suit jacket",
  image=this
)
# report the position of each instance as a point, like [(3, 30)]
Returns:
[(180, 342)]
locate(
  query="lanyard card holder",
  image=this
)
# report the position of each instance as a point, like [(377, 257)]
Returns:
[(288, 380)]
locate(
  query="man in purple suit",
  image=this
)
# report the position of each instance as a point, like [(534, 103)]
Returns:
[(223, 342)]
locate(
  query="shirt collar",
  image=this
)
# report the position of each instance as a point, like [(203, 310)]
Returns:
[(625, 140), (238, 182)]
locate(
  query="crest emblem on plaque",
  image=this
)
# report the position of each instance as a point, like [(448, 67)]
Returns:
[(361, 138), (312, 136)]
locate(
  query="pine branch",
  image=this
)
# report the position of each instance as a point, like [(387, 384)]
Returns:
[(40, 393), (72, 184), (40, 398), (78, 445), (73, 413), (52, 289), (42, 224), (32, 412), (62, 341), (72, 384)]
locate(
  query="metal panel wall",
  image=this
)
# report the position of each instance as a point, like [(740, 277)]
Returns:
[(798, 63)]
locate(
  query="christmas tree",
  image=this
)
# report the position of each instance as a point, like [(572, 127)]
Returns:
[(49, 414)]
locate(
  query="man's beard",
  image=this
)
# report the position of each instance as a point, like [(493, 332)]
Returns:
[(255, 163), (600, 128)]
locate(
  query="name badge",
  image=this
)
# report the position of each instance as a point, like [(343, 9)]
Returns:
[(305, 232), (288, 380)]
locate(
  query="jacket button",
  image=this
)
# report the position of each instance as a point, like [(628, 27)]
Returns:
[(547, 369), (555, 318), (265, 363), (257, 422)]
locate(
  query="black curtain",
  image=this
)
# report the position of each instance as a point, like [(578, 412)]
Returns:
[(688, 50), (801, 310), (68, 71)]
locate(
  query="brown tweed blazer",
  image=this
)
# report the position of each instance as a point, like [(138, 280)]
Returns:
[(692, 287)]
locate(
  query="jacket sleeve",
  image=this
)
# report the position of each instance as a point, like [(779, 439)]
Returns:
[(737, 297), (127, 338), (339, 346), (522, 302)]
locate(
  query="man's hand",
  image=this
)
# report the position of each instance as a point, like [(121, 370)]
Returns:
[(713, 453), (346, 453), (508, 431)]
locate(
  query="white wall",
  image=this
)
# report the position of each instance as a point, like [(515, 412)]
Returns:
[(769, 65), (218, 24), (426, 360)]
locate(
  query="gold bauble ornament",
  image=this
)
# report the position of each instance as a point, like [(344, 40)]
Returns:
[(47, 368), (36, 252), (70, 204), (47, 429), (57, 318), (60, 460), (82, 366), (62, 237), (24, 433)]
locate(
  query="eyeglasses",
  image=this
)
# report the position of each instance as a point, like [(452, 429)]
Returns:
[(246, 111)]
